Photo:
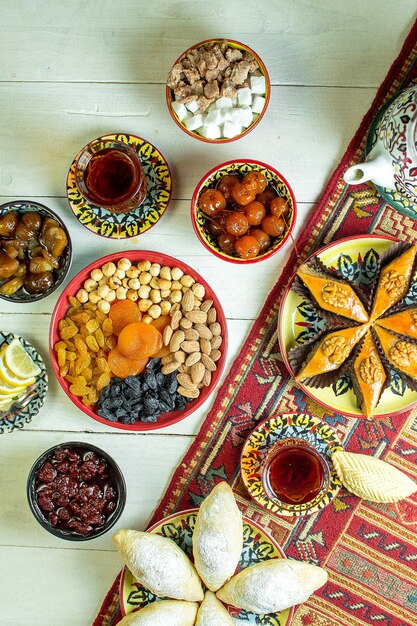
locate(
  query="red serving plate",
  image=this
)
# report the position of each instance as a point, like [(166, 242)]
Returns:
[(62, 305)]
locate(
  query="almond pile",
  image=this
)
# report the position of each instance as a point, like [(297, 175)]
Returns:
[(194, 340)]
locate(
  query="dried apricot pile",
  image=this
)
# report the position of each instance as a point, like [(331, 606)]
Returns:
[(245, 215)]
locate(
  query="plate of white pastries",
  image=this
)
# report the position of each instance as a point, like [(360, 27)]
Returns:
[(210, 567)]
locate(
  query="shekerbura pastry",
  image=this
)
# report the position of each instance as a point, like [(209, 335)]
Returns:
[(218, 537), (212, 612), (172, 612), (272, 586), (159, 565)]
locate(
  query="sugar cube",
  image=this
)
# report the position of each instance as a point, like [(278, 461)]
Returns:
[(244, 96), (233, 115), (245, 116), (231, 130), (179, 110), (213, 118), (258, 104), (257, 84), (224, 103), (192, 106), (194, 122), (211, 132)]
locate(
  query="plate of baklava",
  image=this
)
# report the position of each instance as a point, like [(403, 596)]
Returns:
[(348, 326)]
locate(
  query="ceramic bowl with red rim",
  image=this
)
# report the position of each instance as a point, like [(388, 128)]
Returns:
[(278, 197), (258, 546), (73, 289), (218, 90)]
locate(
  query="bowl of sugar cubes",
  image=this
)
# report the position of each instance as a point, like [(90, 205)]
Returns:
[(218, 90)]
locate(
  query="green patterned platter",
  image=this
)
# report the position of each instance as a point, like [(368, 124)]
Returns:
[(258, 546), (103, 222), (27, 406), (274, 429), (356, 259)]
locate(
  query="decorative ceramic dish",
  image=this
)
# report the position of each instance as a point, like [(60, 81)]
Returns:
[(258, 545), (274, 430), (92, 469), (274, 179), (257, 113), (74, 286), (29, 404), (390, 195), (103, 222), (357, 259), (63, 262)]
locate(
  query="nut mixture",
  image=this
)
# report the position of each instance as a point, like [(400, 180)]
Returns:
[(192, 336)]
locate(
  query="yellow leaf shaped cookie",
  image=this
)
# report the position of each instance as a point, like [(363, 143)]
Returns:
[(372, 479)]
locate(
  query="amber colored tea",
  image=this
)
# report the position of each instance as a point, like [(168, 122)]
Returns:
[(111, 177), (295, 474)]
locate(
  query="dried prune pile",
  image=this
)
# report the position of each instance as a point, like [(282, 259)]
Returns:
[(141, 398), (75, 490)]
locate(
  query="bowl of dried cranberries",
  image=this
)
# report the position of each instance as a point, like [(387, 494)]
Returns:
[(76, 491), (243, 211)]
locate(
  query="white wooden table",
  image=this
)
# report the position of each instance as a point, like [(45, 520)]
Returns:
[(71, 71)]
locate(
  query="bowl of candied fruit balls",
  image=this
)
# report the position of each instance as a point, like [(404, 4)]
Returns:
[(243, 211), (218, 90), (138, 340)]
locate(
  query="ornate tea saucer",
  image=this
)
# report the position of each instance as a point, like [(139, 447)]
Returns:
[(125, 225), (274, 429)]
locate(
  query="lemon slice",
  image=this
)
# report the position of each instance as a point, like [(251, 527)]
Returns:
[(7, 376), (5, 405), (19, 362)]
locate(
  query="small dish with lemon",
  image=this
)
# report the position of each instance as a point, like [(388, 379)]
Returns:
[(23, 382)]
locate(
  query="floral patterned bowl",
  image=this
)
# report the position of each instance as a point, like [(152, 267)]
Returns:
[(170, 97), (241, 167)]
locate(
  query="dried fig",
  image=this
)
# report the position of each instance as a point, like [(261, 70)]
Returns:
[(38, 265), (29, 226)]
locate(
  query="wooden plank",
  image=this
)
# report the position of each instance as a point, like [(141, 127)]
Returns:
[(54, 586), (39, 141), (309, 43)]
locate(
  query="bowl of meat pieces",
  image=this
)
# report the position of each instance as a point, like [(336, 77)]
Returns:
[(243, 211), (218, 90)]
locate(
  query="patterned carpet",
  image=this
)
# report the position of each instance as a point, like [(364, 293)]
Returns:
[(369, 550)]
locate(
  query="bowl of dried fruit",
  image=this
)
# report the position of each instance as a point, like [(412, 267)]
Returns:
[(243, 211), (218, 90), (76, 491), (138, 340), (35, 251)]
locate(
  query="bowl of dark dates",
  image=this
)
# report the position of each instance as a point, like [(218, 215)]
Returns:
[(76, 491), (35, 251), (243, 211)]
